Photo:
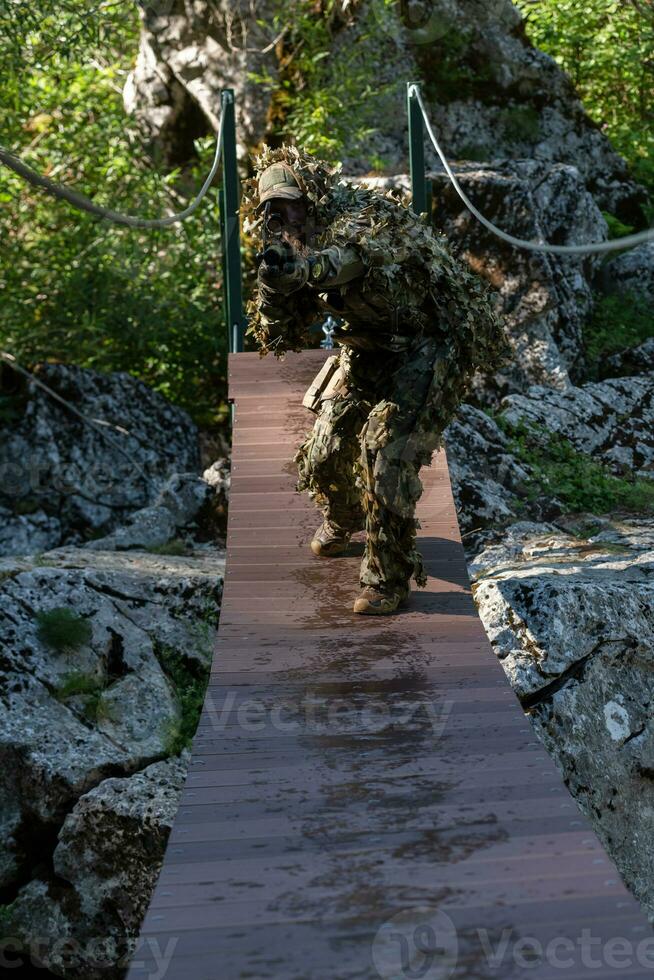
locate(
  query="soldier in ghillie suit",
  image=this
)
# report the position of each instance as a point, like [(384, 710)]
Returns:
[(417, 323)]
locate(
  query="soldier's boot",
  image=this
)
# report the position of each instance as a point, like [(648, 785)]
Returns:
[(382, 600), (330, 539)]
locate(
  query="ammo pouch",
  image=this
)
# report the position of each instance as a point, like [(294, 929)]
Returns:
[(325, 383)]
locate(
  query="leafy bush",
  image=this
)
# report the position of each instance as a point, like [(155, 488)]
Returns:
[(62, 629), (189, 682)]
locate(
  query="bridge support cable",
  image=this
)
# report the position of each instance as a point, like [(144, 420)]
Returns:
[(415, 105)]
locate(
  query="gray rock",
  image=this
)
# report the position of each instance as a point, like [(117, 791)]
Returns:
[(191, 51), (28, 533), (631, 272), (177, 504), (612, 419), (491, 487), (105, 706), (184, 495), (150, 527), (107, 860), (83, 478), (571, 618), (545, 299)]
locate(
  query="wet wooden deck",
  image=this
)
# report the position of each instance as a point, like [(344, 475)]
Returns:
[(366, 798)]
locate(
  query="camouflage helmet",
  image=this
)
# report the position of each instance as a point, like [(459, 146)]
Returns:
[(278, 180)]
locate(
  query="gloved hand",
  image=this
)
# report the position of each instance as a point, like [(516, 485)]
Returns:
[(282, 268)]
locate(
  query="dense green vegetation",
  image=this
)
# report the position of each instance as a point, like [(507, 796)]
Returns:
[(73, 287), (330, 97), (606, 46)]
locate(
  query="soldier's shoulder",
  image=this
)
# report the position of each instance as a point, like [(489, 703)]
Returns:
[(382, 225)]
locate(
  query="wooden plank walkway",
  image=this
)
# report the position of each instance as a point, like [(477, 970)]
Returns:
[(366, 798)]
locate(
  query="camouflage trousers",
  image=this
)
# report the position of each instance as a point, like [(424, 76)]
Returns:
[(361, 461)]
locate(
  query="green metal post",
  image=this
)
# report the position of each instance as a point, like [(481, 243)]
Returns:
[(416, 153), (230, 227)]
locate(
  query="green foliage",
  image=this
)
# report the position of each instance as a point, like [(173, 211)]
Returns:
[(62, 629), (617, 321), (331, 98), (90, 688), (606, 46), (617, 228), (581, 483), (74, 287), (189, 681), (175, 547)]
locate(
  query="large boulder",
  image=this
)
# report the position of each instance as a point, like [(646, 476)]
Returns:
[(64, 478), (86, 685), (176, 505), (490, 93), (612, 420), (545, 298), (571, 617), (107, 859)]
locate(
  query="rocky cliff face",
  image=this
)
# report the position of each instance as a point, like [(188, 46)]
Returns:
[(103, 657), (491, 94), (566, 597)]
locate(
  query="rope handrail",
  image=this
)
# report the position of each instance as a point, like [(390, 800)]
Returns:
[(83, 203), (629, 241)]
